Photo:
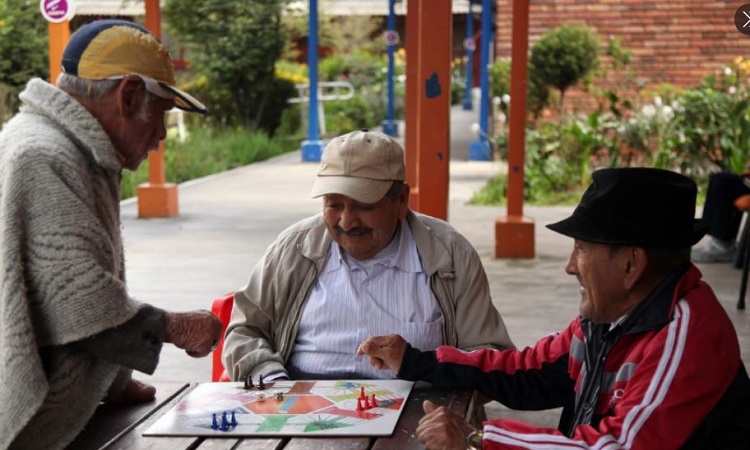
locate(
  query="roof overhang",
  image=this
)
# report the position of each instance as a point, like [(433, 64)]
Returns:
[(110, 7), (366, 7)]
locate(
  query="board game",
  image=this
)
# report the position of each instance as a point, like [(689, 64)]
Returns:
[(287, 408)]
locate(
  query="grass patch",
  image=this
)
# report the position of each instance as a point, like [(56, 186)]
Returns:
[(209, 151), (494, 193)]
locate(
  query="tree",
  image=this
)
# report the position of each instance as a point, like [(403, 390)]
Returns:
[(23, 50), (564, 56), (234, 45)]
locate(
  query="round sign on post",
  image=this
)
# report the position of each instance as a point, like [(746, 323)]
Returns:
[(391, 37), (469, 44), (57, 11)]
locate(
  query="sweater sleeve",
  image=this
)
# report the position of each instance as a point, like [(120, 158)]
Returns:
[(62, 217), (135, 344)]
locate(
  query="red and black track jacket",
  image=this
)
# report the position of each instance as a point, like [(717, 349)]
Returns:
[(669, 376)]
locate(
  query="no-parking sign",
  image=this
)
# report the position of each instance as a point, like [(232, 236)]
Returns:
[(57, 11), (391, 37)]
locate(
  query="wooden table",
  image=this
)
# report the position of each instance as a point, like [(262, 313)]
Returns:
[(122, 427)]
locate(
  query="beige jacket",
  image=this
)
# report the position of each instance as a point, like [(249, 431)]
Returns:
[(266, 314)]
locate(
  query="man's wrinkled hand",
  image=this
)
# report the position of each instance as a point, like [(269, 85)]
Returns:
[(385, 352), (440, 429), (196, 332)]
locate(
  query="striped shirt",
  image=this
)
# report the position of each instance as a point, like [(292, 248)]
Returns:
[(353, 300)]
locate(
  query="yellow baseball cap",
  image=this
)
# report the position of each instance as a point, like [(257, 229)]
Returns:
[(111, 49)]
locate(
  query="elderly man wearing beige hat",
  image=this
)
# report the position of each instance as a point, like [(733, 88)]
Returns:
[(365, 266)]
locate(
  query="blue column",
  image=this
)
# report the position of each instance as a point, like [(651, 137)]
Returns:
[(469, 47), (390, 127), (479, 150), (312, 148)]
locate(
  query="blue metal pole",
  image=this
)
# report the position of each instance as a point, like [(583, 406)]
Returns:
[(312, 148), (479, 150), (468, 46), (390, 127)]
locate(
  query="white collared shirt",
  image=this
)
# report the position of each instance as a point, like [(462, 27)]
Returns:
[(353, 300)]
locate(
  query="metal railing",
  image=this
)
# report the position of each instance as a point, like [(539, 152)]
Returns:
[(327, 91)]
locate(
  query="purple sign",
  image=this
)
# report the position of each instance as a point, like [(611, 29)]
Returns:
[(56, 11)]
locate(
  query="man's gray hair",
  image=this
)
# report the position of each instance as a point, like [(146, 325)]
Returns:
[(86, 89)]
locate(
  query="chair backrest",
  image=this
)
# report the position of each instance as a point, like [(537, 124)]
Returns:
[(221, 308)]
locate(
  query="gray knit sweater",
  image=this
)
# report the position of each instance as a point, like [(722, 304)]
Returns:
[(62, 274)]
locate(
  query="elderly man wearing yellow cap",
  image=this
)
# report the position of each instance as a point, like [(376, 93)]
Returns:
[(366, 265), (70, 335)]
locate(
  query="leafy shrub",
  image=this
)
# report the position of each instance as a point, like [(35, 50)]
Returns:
[(209, 151), (537, 97), (343, 116), (564, 56)]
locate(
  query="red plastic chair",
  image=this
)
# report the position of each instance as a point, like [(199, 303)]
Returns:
[(221, 308)]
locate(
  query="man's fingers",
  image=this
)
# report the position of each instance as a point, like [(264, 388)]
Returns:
[(429, 407)]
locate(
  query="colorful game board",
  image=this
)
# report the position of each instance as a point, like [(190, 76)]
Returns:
[(287, 408)]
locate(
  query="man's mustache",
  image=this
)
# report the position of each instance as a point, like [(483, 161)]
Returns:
[(359, 231)]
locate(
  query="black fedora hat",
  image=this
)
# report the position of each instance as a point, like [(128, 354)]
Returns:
[(644, 207)]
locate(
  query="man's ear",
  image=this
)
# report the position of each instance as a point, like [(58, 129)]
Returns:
[(635, 266), (404, 199), (130, 94)]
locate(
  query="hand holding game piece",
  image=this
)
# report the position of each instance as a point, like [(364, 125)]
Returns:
[(385, 352), (196, 332)]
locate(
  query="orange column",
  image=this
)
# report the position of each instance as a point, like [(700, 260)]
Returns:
[(410, 101), (514, 234), (427, 130), (59, 35), (156, 198)]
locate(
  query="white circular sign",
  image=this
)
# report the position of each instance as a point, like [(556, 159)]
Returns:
[(391, 37), (469, 44), (57, 11)]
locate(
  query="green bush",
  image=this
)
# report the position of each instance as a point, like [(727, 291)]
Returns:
[(537, 96), (209, 151), (564, 56), (343, 116)]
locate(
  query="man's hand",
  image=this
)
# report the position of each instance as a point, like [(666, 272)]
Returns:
[(135, 392), (385, 352), (197, 332), (441, 429)]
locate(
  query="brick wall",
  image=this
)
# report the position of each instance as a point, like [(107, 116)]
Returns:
[(675, 41)]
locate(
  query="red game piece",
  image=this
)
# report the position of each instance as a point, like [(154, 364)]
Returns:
[(362, 392), (359, 405), (374, 402), (367, 403)]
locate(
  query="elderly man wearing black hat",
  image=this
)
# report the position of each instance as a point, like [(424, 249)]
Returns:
[(652, 362)]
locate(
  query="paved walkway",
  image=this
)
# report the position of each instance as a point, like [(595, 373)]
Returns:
[(227, 220)]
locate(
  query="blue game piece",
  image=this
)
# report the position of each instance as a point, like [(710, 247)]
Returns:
[(214, 424), (234, 420), (224, 422)]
